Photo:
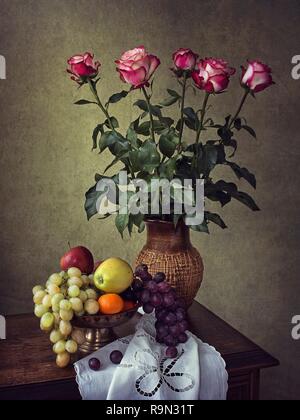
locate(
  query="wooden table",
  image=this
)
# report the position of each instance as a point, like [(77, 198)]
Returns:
[(28, 371)]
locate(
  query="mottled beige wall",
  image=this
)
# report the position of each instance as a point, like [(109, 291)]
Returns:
[(252, 269)]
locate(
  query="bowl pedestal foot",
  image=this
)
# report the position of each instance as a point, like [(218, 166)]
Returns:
[(95, 339)]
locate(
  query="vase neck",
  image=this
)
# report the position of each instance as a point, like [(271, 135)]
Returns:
[(163, 236)]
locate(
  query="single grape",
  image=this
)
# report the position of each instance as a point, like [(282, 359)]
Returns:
[(71, 346), (137, 286), (47, 301), (162, 331), (55, 308), (77, 304), (170, 319), (183, 337), (40, 310), (56, 299), (180, 314), (59, 347), (85, 281), (116, 357), (75, 281), (74, 272), (83, 296), (148, 308), (152, 286), (53, 289), (91, 307), (161, 313), (183, 325), (91, 294), (91, 280), (63, 359), (169, 340), (143, 268), (65, 305), (164, 287), (37, 289), (174, 330), (66, 315), (145, 296), (156, 300), (39, 296), (159, 277), (47, 321), (55, 279), (168, 299), (145, 277), (73, 291), (171, 352), (55, 336), (94, 364), (65, 327)]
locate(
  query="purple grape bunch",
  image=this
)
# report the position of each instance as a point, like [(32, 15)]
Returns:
[(155, 294)]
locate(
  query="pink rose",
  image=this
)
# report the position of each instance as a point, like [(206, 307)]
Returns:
[(184, 59), (83, 66), (257, 76), (212, 75), (137, 66)]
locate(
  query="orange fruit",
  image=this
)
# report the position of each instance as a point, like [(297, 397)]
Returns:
[(128, 304), (111, 303)]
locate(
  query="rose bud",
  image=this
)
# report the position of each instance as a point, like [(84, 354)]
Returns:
[(212, 75), (83, 67), (257, 76), (184, 60), (136, 67)]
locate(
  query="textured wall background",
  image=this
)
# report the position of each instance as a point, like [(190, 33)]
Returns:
[(252, 269)]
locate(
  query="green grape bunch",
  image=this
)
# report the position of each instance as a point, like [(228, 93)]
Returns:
[(64, 296)]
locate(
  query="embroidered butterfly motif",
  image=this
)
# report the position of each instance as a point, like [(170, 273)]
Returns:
[(164, 372)]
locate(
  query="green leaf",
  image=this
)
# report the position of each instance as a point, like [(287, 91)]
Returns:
[(142, 104), (84, 102), (167, 169), (191, 120), (168, 143), (148, 156), (245, 199), (215, 218), (201, 228), (173, 93), (225, 134), (171, 100), (96, 132), (132, 138), (121, 222), (144, 129), (117, 97), (115, 141), (114, 122), (249, 130), (243, 173)]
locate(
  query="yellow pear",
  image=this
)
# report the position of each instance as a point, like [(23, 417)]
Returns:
[(113, 276)]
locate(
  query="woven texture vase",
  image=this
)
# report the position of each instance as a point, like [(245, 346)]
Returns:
[(170, 251)]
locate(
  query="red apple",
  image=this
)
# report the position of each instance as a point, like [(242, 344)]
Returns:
[(79, 257)]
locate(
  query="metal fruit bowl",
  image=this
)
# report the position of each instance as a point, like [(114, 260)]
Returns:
[(98, 329)]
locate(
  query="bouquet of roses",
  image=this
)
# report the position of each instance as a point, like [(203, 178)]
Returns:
[(153, 146)]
